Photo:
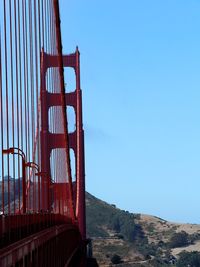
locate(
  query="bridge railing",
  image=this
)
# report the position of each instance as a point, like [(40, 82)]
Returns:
[(59, 246), (16, 227)]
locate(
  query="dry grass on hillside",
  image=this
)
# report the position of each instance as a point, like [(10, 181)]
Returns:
[(157, 230), (103, 250)]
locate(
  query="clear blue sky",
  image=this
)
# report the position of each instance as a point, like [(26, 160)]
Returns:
[(140, 76)]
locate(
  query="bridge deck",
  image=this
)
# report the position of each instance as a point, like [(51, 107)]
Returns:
[(53, 246)]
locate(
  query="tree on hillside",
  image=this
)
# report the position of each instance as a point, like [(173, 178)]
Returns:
[(116, 259), (115, 223)]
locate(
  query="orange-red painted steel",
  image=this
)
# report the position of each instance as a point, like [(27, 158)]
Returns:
[(54, 246), (75, 139), (42, 212)]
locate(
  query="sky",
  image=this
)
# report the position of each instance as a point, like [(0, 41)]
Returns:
[(140, 76)]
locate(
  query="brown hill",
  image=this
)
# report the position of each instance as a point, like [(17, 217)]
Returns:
[(139, 240)]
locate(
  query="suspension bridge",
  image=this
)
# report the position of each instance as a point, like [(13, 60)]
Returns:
[(42, 204)]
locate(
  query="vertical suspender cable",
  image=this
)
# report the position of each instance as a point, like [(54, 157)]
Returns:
[(12, 100), (21, 128), (2, 129), (7, 106), (17, 94)]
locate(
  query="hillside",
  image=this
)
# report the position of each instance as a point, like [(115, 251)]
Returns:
[(139, 240)]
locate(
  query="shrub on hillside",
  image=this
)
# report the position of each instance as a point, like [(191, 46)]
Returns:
[(123, 223), (116, 259), (180, 239), (189, 259)]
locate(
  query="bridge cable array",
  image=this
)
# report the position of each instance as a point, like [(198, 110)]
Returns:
[(36, 185)]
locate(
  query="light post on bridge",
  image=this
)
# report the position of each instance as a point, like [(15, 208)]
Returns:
[(43, 175), (45, 191), (34, 165), (19, 152)]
